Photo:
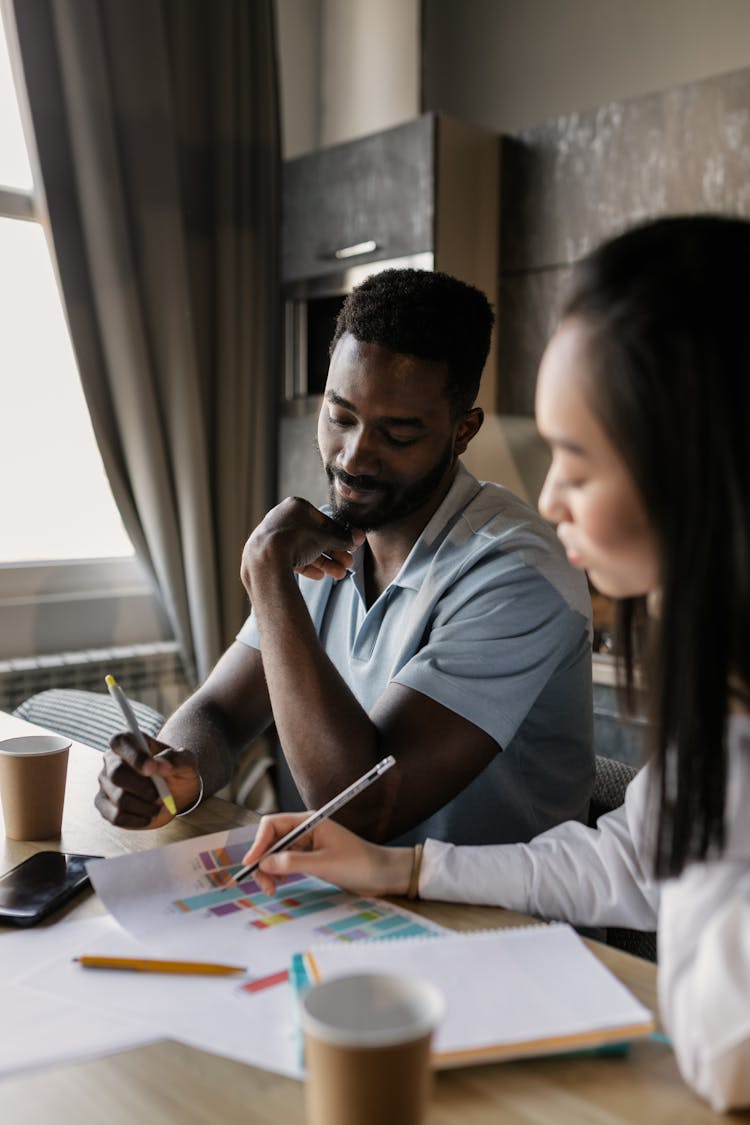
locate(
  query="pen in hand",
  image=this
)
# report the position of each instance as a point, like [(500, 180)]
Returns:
[(315, 818), (127, 711)]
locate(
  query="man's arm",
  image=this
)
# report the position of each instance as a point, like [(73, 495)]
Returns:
[(198, 744), (226, 713), (327, 737)]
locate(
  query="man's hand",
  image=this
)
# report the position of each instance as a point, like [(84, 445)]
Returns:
[(297, 536), (127, 797)]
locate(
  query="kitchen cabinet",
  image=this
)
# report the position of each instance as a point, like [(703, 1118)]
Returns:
[(427, 188), (375, 191)]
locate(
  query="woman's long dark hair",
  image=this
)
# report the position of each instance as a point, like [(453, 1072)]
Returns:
[(667, 306)]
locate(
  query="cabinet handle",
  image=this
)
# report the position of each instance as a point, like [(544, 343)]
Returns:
[(356, 249)]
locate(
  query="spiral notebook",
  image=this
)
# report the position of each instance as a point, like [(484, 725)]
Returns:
[(508, 993)]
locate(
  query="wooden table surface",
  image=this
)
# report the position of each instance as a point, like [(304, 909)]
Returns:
[(169, 1082)]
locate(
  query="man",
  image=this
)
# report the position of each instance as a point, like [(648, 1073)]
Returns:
[(425, 615)]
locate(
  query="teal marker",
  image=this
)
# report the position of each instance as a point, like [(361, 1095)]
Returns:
[(300, 982)]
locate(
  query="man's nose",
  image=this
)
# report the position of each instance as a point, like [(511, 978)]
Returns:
[(359, 455)]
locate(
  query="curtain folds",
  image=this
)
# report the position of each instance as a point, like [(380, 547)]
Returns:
[(157, 129)]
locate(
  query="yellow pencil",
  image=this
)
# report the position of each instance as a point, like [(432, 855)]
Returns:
[(147, 965)]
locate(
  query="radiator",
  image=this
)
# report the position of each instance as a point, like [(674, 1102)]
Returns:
[(150, 673)]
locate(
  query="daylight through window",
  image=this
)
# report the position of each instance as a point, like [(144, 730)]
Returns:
[(55, 500)]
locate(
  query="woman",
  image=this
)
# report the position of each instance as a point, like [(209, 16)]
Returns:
[(644, 398)]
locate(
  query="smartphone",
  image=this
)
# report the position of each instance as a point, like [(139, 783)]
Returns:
[(39, 885)]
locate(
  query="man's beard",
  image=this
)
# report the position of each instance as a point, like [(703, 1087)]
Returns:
[(392, 504)]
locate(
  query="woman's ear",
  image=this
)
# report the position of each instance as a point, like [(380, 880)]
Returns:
[(467, 428)]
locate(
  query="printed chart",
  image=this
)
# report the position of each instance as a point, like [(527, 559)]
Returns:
[(363, 920), (308, 896), (298, 896), (370, 920), (183, 897)]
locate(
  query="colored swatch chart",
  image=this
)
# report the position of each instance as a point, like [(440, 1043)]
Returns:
[(218, 863), (297, 896), (368, 921), (365, 921)]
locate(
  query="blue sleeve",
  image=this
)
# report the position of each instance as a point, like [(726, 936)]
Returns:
[(496, 639)]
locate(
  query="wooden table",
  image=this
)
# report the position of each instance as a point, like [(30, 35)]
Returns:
[(168, 1082)]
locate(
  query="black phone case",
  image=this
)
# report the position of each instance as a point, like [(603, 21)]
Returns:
[(31, 903)]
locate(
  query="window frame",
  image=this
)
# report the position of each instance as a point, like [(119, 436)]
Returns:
[(70, 606), (46, 606)]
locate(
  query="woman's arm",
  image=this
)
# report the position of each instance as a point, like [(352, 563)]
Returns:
[(704, 950), (586, 876), (704, 980)]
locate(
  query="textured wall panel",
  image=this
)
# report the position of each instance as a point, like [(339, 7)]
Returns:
[(573, 181), (528, 312)]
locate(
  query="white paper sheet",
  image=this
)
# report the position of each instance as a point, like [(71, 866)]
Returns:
[(175, 895), (213, 1013), (59, 1011), (505, 989), (168, 902), (46, 1027)]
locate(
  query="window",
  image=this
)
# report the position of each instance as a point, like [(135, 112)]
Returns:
[(54, 495), (56, 507)]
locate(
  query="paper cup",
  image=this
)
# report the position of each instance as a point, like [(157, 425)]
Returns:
[(33, 769), (367, 1049)]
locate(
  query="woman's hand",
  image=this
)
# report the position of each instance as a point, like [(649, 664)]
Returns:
[(330, 852)]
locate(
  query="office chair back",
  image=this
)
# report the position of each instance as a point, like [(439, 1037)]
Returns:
[(611, 780), (86, 716)]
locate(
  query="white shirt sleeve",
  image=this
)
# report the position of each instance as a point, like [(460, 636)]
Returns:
[(704, 952), (704, 991), (586, 876), (600, 877)]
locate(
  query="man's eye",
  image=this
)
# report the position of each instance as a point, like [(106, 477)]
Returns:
[(337, 421), (398, 442)]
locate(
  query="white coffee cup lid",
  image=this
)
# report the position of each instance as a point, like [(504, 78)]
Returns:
[(371, 1009), (34, 745)]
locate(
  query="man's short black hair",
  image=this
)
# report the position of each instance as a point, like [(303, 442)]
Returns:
[(426, 314)]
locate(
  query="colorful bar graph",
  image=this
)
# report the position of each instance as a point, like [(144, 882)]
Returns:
[(309, 897), (372, 922), (297, 897)]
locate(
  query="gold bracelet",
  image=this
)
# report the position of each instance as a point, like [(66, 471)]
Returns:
[(416, 865)]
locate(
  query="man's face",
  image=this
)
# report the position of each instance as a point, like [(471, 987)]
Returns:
[(386, 435)]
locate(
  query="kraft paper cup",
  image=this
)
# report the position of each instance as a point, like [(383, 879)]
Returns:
[(33, 769), (367, 1049)]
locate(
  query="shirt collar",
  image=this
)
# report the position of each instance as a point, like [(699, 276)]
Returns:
[(464, 488)]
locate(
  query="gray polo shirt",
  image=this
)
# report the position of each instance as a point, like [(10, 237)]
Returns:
[(487, 617)]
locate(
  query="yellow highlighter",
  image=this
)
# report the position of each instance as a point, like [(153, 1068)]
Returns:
[(122, 702)]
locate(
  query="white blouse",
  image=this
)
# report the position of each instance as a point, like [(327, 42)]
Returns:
[(600, 877)]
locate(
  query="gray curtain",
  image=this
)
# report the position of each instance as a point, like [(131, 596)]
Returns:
[(158, 140)]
